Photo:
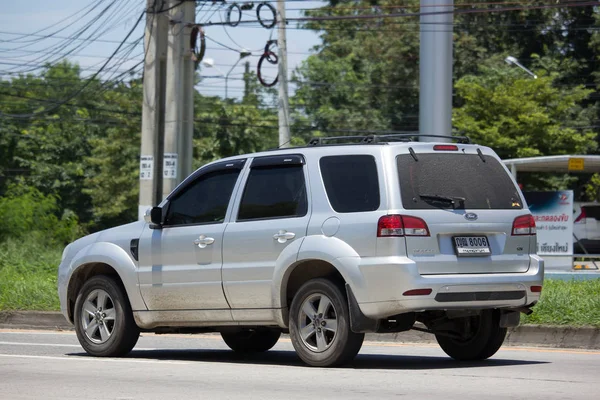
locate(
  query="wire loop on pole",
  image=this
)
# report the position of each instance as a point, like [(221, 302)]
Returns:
[(198, 47), (271, 58), (230, 9), (262, 21)]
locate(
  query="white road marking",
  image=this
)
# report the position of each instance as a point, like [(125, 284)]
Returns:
[(95, 359), (62, 345), (33, 332), (39, 344)]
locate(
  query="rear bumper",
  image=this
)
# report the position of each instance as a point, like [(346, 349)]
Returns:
[(380, 293)]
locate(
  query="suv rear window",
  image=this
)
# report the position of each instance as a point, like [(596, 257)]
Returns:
[(442, 180), (351, 182)]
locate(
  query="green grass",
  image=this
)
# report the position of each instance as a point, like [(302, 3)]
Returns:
[(28, 276), (572, 303), (28, 282)]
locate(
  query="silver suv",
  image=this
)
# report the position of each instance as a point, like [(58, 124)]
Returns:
[(324, 242)]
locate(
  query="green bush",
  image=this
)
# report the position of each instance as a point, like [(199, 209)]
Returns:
[(26, 213)]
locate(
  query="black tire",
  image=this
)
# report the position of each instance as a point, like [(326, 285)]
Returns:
[(336, 347), (485, 340), (117, 325), (251, 340)]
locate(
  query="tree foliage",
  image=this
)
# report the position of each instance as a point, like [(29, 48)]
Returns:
[(85, 154), (522, 117)]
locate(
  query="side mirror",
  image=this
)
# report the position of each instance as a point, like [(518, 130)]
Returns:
[(156, 216), (147, 217)]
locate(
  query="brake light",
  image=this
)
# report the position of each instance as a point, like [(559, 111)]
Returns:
[(524, 225), (445, 147), (536, 289), (401, 225), (581, 216)]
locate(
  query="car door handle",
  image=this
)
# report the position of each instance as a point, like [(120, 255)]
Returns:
[(283, 236), (203, 241)]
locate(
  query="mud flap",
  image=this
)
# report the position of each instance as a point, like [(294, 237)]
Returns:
[(359, 323)]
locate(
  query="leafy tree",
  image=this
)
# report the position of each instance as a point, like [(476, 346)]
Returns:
[(522, 117), (112, 167), (365, 71)]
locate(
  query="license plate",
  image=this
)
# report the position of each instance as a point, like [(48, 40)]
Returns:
[(472, 246)]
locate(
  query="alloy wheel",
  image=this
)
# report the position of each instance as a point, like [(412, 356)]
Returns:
[(318, 322), (98, 316)]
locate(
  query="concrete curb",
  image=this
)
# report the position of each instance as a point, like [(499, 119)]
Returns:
[(526, 335), (46, 320)]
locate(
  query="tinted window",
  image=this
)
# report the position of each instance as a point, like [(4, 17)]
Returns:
[(351, 182), (274, 192), (205, 201), (592, 212), (455, 181)]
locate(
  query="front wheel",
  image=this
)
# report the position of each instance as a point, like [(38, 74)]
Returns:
[(251, 340), (320, 325), (482, 337), (103, 318)]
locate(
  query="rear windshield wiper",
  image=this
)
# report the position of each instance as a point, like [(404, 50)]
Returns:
[(447, 199)]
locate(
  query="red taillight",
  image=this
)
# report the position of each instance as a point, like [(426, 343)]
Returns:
[(401, 225), (524, 225), (581, 216), (445, 147), (417, 292), (536, 289)]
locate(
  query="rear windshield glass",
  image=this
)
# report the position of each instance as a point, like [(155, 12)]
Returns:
[(442, 180)]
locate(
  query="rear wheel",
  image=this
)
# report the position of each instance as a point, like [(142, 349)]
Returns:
[(103, 318), (481, 337), (251, 340), (320, 325)]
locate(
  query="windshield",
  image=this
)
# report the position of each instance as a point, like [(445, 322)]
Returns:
[(455, 181)]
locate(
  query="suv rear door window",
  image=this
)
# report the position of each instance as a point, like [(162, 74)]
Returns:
[(351, 182), (460, 181), (274, 192)]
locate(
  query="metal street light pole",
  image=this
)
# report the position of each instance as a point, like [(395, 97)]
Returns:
[(210, 63), (513, 61)]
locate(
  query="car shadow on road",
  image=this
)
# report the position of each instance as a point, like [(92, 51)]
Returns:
[(290, 359)]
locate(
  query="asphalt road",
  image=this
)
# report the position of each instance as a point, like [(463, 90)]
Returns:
[(51, 365)]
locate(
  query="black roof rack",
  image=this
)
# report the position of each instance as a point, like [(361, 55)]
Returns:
[(373, 139)]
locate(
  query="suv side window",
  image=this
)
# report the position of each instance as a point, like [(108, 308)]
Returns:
[(277, 191), (205, 201), (351, 182)]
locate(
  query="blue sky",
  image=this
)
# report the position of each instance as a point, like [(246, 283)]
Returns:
[(20, 18)]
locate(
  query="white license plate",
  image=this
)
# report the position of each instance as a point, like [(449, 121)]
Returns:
[(472, 246)]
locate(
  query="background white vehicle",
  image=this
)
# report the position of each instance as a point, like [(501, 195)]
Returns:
[(586, 228)]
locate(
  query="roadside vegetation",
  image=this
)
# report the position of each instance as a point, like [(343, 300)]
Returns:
[(32, 235), (573, 303)]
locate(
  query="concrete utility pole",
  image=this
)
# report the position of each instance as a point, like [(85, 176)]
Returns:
[(284, 104), (179, 118), (153, 108), (435, 80)]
